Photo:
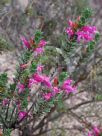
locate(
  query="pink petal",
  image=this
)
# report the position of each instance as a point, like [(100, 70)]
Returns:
[(42, 43), (25, 42)]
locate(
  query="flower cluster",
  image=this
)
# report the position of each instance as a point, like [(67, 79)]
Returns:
[(86, 33), (83, 34), (53, 93), (38, 48), (96, 131), (67, 86), (39, 78), (44, 80)]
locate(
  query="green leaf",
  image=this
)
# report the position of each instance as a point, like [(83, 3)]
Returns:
[(60, 105), (91, 46), (33, 67), (24, 76), (12, 86), (24, 103), (51, 103), (7, 132), (82, 21), (98, 97), (3, 79), (47, 110), (38, 36), (62, 76), (5, 45), (25, 56), (97, 36), (87, 13), (44, 59)]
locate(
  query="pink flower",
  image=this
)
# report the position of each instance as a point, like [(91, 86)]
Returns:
[(86, 37), (86, 33), (38, 78), (46, 81), (89, 29), (55, 91), (69, 89), (20, 88), (70, 23), (5, 102), (42, 43), (25, 42), (67, 86), (90, 134), (40, 68), (22, 114), (47, 96), (69, 31), (68, 82), (41, 79), (31, 82), (38, 51), (96, 130)]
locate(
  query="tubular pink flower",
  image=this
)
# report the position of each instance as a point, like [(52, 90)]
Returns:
[(70, 23), (86, 33), (20, 88), (89, 29), (69, 31), (46, 81), (39, 51), (38, 78), (47, 96), (90, 134), (22, 114), (69, 89), (41, 79), (40, 68), (88, 37), (68, 82), (67, 86), (55, 91), (84, 36), (42, 43), (31, 82), (5, 102), (25, 42), (96, 130)]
